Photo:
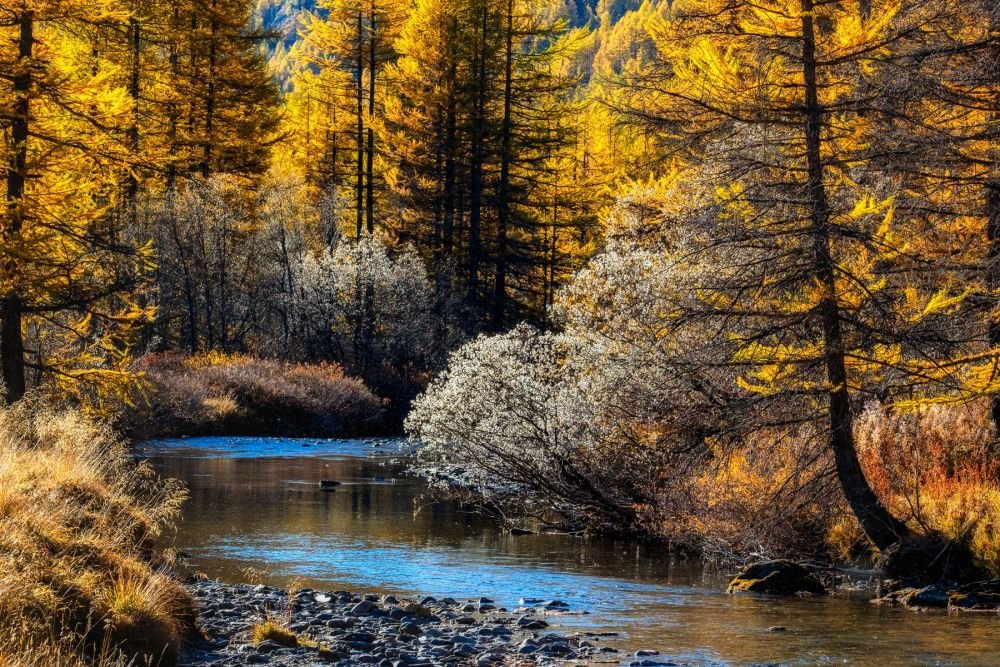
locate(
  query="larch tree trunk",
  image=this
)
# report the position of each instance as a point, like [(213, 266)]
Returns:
[(11, 330), (359, 177), (478, 139), (506, 146), (881, 527), (370, 177)]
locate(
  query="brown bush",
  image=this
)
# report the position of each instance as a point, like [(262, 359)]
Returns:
[(214, 393)]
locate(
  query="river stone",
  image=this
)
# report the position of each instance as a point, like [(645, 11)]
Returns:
[(363, 607), (267, 646), (975, 600), (929, 596), (777, 577), (409, 629), (417, 610), (526, 623)]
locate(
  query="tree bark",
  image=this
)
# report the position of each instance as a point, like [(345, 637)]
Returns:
[(359, 184), (11, 330), (206, 165), (370, 182), (503, 217), (993, 216), (993, 287), (476, 186), (879, 525), (132, 181)]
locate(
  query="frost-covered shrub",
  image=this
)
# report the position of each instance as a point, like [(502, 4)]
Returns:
[(366, 307), (509, 421), (628, 418)]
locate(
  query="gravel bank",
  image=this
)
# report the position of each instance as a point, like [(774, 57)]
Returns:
[(341, 628)]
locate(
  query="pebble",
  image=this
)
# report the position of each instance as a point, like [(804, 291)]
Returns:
[(342, 629)]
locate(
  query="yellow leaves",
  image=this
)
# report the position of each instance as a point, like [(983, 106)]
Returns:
[(775, 368), (944, 301), (855, 31), (734, 203), (773, 19), (867, 205)]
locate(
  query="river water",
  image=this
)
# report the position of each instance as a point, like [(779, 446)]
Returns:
[(255, 504)]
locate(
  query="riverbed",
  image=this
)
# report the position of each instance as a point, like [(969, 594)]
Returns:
[(256, 513)]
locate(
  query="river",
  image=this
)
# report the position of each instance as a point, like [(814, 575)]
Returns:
[(255, 512)]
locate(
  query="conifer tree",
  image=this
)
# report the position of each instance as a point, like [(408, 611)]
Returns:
[(768, 99), (66, 312), (354, 38), (473, 144)]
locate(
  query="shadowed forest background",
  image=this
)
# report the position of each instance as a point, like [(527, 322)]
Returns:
[(719, 273)]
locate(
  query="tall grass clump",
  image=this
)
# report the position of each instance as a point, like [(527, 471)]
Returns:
[(78, 520), (218, 393)]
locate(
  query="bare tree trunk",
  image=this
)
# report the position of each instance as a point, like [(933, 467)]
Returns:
[(372, 56), (993, 286), (503, 218), (993, 213), (360, 93), (172, 111), (451, 122), (878, 523), (206, 166), (11, 330), (132, 181), (478, 138)]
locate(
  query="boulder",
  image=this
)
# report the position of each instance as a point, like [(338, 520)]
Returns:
[(928, 596), (418, 610), (776, 577)]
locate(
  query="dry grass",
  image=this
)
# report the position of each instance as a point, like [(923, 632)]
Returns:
[(78, 518), (217, 393), (271, 630)]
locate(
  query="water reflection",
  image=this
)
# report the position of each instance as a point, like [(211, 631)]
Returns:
[(255, 502)]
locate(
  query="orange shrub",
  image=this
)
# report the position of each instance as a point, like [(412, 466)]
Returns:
[(935, 469)]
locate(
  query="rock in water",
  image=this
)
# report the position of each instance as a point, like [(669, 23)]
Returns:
[(777, 577)]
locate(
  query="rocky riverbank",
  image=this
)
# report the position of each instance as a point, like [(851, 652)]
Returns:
[(246, 624)]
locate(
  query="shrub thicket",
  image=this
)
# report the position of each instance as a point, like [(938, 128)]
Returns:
[(235, 394)]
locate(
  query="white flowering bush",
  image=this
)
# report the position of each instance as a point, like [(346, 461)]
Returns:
[(508, 422), (587, 426), (629, 418)]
